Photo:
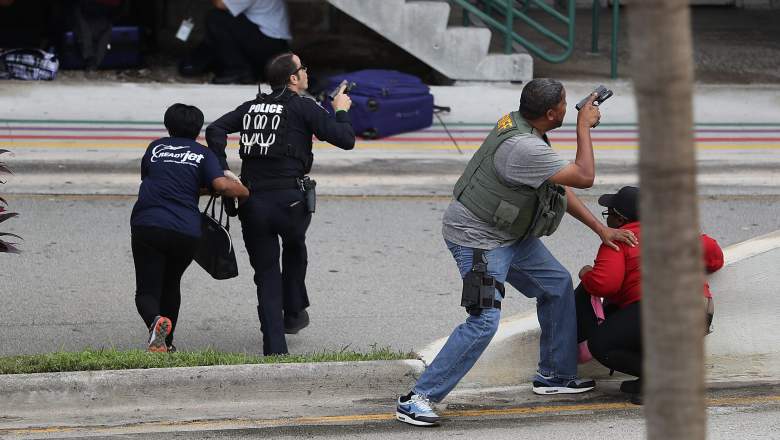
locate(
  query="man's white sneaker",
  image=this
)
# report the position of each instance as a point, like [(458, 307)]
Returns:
[(416, 410)]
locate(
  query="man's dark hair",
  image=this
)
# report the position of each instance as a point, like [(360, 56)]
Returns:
[(183, 121), (538, 96), (279, 69)]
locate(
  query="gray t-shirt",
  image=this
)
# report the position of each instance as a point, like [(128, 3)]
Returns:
[(523, 159), (269, 15)]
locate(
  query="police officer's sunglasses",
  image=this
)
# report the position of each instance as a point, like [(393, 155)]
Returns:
[(304, 68)]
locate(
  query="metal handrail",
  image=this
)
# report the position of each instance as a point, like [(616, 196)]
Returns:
[(509, 11), (615, 30)]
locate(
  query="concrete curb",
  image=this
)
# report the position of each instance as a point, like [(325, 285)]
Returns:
[(131, 395)]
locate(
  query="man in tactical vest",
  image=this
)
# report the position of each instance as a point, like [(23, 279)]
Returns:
[(514, 190), (275, 146)]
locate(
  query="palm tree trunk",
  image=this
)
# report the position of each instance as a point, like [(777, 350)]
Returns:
[(672, 272)]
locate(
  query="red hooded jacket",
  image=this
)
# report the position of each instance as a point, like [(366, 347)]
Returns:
[(616, 274)]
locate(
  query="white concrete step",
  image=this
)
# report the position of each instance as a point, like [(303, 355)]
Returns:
[(420, 28)]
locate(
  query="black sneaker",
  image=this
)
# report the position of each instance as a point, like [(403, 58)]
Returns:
[(545, 385), (631, 386), (295, 322), (171, 348), (636, 399)]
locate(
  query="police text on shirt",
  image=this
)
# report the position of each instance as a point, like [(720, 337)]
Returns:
[(255, 127)]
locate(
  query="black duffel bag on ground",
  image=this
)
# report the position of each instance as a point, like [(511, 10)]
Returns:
[(215, 253)]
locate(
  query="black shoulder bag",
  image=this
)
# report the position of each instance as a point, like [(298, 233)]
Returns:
[(215, 253)]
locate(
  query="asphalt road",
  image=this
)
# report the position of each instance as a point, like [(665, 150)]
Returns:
[(737, 418), (379, 274), (722, 425)]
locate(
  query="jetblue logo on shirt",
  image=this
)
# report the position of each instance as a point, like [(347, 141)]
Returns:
[(171, 154)]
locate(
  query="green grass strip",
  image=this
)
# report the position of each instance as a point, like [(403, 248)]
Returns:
[(111, 359)]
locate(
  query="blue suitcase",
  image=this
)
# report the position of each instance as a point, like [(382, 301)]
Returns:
[(386, 102)]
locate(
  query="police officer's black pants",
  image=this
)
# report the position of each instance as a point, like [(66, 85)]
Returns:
[(265, 217), (161, 256)]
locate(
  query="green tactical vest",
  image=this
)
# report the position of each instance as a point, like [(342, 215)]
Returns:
[(521, 210)]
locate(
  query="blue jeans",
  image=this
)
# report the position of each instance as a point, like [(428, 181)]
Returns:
[(530, 268)]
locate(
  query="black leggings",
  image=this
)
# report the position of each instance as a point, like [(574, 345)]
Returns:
[(617, 342), (161, 256)]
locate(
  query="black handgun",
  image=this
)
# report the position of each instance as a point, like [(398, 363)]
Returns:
[(348, 86), (602, 94)]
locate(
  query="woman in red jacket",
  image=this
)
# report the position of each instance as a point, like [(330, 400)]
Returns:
[(615, 277)]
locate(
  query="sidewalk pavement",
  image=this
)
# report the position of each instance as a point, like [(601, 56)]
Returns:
[(88, 138)]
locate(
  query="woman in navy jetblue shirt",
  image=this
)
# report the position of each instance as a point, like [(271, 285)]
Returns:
[(165, 223)]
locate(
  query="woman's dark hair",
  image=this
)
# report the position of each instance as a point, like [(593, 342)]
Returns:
[(183, 121), (538, 96), (279, 69)]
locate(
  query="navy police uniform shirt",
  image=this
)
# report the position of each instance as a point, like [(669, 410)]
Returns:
[(304, 119), (172, 172)]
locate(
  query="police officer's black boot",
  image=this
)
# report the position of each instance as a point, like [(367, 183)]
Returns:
[(295, 322)]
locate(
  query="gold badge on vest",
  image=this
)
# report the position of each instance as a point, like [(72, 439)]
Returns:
[(505, 123)]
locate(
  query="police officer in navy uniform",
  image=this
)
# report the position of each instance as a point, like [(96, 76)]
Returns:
[(275, 147)]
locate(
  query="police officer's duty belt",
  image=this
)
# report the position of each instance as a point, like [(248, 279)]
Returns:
[(271, 184)]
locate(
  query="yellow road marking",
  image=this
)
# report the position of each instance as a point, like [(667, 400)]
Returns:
[(294, 421)]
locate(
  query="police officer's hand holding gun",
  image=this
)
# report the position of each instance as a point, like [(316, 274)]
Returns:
[(275, 145), (589, 117), (342, 101)]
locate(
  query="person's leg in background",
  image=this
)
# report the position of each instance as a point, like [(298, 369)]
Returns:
[(537, 274), (179, 256), (84, 37), (101, 31), (262, 244), (229, 36), (93, 21), (260, 48)]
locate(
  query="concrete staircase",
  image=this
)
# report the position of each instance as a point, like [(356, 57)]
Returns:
[(420, 28)]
